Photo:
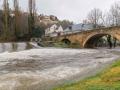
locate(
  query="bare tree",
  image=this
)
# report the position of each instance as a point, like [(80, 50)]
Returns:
[(17, 18), (6, 18), (95, 17), (31, 18), (108, 19), (114, 14)]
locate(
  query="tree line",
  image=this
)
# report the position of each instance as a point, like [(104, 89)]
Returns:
[(18, 25), (100, 19), (15, 24), (104, 19)]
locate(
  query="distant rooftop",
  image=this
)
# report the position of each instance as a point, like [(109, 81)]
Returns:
[(81, 27)]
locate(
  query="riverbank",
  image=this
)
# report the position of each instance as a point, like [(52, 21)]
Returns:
[(59, 45), (109, 79)]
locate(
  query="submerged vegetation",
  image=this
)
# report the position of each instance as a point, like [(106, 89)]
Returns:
[(63, 45), (106, 80)]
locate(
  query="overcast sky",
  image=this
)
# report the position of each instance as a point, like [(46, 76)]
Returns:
[(74, 10)]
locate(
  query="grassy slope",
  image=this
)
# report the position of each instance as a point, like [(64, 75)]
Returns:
[(107, 80)]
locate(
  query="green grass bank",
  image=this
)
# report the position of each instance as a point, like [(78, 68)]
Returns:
[(109, 79)]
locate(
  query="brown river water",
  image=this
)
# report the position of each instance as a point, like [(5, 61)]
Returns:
[(26, 66)]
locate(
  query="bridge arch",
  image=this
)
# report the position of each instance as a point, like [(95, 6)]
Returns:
[(66, 41), (91, 40)]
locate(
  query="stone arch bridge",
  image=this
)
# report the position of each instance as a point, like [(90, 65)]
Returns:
[(87, 39)]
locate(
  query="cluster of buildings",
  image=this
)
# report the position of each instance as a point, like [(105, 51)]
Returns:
[(47, 19), (54, 29), (57, 30)]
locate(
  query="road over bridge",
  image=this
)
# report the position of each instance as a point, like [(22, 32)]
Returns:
[(87, 39)]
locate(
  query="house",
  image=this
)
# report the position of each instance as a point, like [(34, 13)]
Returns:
[(54, 30), (47, 19)]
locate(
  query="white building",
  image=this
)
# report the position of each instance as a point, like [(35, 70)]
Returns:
[(54, 30)]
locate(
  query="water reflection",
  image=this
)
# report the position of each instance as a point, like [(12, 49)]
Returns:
[(11, 47)]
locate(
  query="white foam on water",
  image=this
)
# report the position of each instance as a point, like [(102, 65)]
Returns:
[(11, 80), (43, 53), (9, 85)]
